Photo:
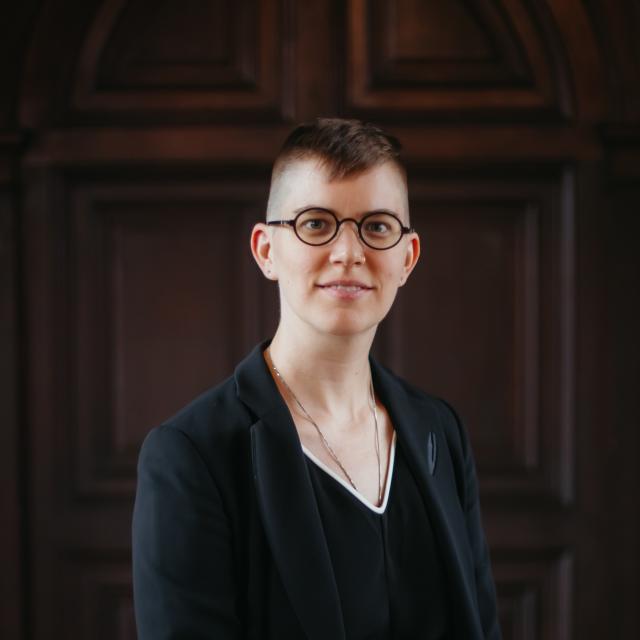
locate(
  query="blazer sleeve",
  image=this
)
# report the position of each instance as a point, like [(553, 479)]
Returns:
[(183, 574), (485, 588)]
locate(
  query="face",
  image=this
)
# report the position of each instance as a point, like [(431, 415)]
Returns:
[(344, 287)]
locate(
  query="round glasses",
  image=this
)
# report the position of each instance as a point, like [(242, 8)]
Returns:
[(378, 229)]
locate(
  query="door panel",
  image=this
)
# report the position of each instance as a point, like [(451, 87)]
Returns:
[(142, 136)]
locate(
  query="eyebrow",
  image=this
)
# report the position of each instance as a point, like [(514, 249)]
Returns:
[(335, 213)]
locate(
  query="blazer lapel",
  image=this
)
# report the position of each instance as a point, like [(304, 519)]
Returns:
[(423, 441), (287, 504), (289, 510)]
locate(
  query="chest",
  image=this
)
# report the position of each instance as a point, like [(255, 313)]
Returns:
[(353, 453), (389, 575)]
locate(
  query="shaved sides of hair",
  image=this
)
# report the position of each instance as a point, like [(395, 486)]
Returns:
[(342, 147)]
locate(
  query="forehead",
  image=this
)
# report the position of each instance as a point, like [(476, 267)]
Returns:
[(305, 183)]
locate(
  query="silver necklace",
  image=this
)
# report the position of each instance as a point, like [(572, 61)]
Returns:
[(326, 444)]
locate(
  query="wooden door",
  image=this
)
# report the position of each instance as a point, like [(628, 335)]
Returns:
[(135, 162)]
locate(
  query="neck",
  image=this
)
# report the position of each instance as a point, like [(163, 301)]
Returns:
[(329, 374)]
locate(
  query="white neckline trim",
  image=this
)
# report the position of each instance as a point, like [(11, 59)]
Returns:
[(349, 488)]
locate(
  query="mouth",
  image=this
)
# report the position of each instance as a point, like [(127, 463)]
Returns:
[(346, 291), (346, 286)]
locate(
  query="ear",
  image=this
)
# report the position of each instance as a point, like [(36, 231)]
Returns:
[(262, 250), (411, 256)]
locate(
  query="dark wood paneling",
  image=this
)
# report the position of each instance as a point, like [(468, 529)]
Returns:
[(150, 128), (497, 270), (15, 31), (444, 44), (617, 24), (160, 62), (620, 441), (231, 145), (456, 59), (199, 58), (102, 607), (181, 45), (136, 281), (535, 592), (11, 489), (317, 62), (162, 277)]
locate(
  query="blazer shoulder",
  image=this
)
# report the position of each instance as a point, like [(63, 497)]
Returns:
[(433, 406), (216, 410), (214, 423)]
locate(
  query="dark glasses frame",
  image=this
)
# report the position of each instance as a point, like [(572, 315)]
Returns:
[(292, 223)]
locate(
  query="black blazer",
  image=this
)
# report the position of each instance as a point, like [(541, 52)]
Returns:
[(227, 538)]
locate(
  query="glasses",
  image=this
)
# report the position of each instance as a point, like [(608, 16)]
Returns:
[(378, 230)]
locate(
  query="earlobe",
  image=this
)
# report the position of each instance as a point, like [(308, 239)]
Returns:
[(411, 257), (261, 249)]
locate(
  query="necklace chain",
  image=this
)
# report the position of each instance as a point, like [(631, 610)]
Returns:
[(325, 442)]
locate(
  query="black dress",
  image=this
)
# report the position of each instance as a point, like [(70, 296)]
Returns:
[(385, 559)]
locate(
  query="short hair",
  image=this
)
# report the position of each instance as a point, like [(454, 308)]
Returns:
[(344, 147)]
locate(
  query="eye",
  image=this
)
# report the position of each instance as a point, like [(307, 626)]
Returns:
[(377, 227), (314, 224)]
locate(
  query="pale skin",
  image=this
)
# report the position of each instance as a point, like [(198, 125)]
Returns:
[(324, 336)]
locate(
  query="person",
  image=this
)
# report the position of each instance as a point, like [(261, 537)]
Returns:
[(315, 494)]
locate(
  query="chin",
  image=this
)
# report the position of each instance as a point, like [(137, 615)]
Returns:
[(345, 327), (338, 322)]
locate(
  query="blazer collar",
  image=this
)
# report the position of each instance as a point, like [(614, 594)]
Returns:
[(287, 504), (418, 422), (289, 510)]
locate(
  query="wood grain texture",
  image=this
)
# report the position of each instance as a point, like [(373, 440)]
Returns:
[(478, 60), (135, 145), (535, 592), (12, 531), (497, 271), (143, 62)]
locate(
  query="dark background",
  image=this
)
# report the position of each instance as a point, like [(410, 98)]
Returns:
[(135, 144)]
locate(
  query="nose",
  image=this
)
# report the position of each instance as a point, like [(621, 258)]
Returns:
[(347, 248)]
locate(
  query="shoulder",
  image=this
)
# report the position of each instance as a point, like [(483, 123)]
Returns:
[(213, 413), (431, 405), (432, 413), (210, 429), (431, 408)]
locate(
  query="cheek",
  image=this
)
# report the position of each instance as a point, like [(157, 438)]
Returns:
[(299, 270), (392, 272)]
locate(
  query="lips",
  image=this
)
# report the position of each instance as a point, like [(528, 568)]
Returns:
[(346, 291), (351, 286)]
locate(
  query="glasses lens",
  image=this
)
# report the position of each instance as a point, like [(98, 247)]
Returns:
[(315, 226), (381, 230)]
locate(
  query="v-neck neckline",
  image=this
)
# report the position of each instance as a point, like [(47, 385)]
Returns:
[(367, 503)]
